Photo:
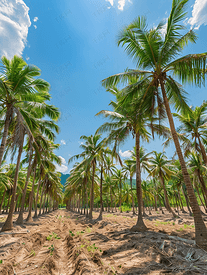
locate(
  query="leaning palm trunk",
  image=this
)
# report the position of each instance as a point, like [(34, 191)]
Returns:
[(92, 191), (43, 206), (200, 228), (101, 198), (132, 195), (86, 196), (42, 193), (20, 217), (2, 200), (5, 133), (8, 225), (120, 196), (140, 226), (29, 217), (36, 200)]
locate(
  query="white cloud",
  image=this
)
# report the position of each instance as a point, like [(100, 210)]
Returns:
[(164, 29), (62, 160), (119, 3), (125, 154), (111, 2), (199, 14), (35, 19), (62, 168), (63, 142), (14, 24), (35, 27)]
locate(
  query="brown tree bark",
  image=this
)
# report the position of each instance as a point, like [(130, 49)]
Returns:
[(20, 217), (167, 203), (101, 198), (42, 193), (140, 226), (8, 225), (133, 211), (29, 216), (92, 192), (36, 200), (2, 200)]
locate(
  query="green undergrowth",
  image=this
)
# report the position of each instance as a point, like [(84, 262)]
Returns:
[(52, 236)]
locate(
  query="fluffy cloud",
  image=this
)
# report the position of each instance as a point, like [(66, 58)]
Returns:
[(121, 3), (14, 24), (199, 14), (125, 154), (63, 142), (62, 168)]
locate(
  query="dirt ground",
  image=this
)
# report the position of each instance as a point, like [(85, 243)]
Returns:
[(63, 242)]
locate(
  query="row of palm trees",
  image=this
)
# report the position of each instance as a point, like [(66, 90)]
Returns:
[(28, 129), (142, 105)]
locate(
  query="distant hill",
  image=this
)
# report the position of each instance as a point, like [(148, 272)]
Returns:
[(64, 178)]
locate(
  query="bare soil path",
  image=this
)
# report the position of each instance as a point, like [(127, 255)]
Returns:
[(66, 243)]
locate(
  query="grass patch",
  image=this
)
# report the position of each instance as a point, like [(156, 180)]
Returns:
[(52, 236), (158, 222)]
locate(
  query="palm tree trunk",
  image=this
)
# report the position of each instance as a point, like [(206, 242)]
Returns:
[(2, 200), (92, 191), (42, 193), (29, 217), (111, 196), (17, 196), (200, 228), (167, 203), (8, 201), (187, 201), (20, 217), (132, 196), (86, 194), (36, 200), (101, 198), (140, 226), (8, 225), (120, 196), (5, 133), (181, 203)]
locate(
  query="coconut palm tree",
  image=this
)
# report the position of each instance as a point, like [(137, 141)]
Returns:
[(126, 119), (155, 56), (92, 148), (19, 83)]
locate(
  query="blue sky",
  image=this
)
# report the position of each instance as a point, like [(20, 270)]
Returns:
[(74, 44)]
